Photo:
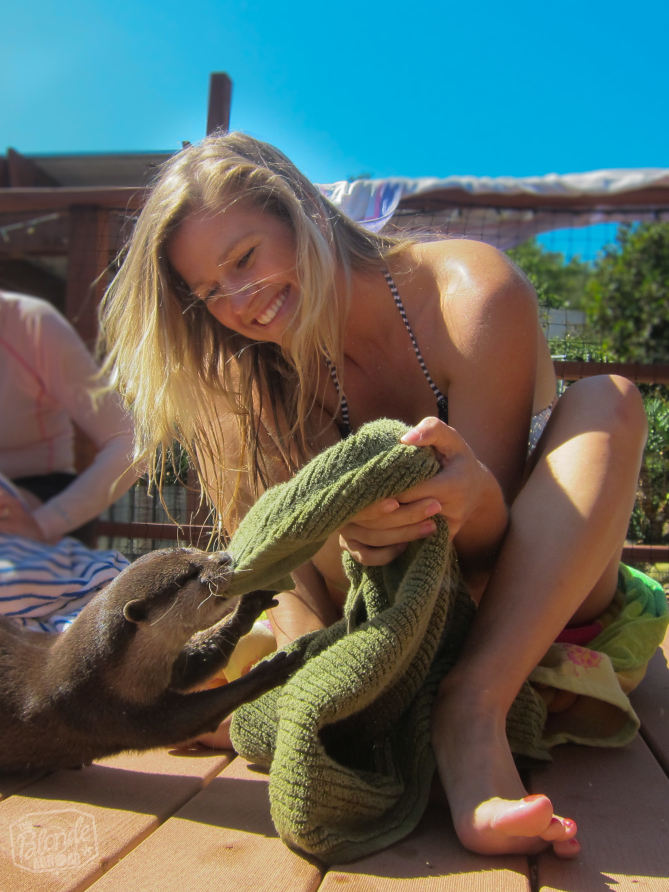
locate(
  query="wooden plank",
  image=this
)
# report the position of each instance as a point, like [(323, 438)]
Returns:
[(136, 530), (651, 702), (654, 197), (431, 859), (198, 535), (62, 197), (28, 233), (91, 818), (620, 800), (646, 554), (225, 840), (22, 234), (642, 373), (24, 172), (220, 100), (12, 783), (86, 269)]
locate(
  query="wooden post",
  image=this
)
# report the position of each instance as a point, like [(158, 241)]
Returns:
[(24, 172), (87, 264), (220, 98), (86, 268)]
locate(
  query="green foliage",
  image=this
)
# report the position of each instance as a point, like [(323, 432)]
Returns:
[(557, 283), (650, 518), (577, 347), (627, 298)]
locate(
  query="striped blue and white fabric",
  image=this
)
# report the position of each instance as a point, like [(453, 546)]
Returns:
[(45, 587)]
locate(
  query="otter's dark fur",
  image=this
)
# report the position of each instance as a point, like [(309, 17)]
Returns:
[(117, 678)]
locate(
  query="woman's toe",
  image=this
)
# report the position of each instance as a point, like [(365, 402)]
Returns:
[(567, 848)]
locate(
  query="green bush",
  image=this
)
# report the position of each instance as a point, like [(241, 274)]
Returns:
[(558, 283), (650, 518), (627, 297)]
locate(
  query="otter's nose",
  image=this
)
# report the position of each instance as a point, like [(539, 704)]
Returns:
[(216, 570)]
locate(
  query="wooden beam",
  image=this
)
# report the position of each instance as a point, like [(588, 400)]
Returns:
[(646, 554), (87, 265), (24, 172), (131, 198), (192, 534), (60, 198), (22, 234), (653, 198), (48, 233), (635, 371), (220, 99)]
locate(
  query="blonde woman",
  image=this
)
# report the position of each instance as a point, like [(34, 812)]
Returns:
[(255, 323)]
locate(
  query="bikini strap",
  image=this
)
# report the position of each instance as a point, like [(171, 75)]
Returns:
[(345, 426), (442, 401)]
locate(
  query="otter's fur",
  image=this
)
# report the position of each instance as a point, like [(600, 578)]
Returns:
[(117, 678)]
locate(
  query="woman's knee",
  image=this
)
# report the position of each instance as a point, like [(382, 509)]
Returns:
[(611, 403)]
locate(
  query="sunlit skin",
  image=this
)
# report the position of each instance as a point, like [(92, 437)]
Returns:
[(538, 544)]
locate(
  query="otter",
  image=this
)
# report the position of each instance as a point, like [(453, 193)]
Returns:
[(119, 677)]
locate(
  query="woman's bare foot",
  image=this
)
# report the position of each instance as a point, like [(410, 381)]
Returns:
[(491, 810)]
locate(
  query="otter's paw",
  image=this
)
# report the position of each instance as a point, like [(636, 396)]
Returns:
[(269, 674), (251, 605)]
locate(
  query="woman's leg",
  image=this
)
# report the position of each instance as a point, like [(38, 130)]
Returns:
[(559, 562)]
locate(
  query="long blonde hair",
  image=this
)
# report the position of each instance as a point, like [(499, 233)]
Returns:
[(178, 368)]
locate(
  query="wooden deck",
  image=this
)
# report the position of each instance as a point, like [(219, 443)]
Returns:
[(200, 822)]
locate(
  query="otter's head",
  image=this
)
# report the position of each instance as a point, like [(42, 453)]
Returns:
[(178, 590), (146, 615)]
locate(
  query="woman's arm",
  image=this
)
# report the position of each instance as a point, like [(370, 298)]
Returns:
[(489, 320), (69, 375)]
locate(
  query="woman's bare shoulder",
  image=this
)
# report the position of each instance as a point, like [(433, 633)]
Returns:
[(464, 263), (479, 288)]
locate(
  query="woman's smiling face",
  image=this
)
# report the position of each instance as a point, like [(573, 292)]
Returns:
[(241, 262)]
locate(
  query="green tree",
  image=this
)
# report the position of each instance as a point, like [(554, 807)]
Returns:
[(627, 298), (557, 283), (651, 512)]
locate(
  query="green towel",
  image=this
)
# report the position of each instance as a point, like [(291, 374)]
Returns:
[(348, 736), (604, 672)]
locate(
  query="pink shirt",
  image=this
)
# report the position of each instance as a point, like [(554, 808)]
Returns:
[(46, 376)]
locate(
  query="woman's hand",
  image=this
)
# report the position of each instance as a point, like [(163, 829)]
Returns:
[(464, 492), (462, 486), (380, 533), (17, 520)]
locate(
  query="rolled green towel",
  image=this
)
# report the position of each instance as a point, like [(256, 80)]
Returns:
[(348, 736)]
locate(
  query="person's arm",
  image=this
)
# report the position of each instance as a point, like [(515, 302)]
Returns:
[(16, 512), (69, 375), (490, 316)]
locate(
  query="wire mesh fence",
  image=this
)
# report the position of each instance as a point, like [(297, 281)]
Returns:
[(68, 256)]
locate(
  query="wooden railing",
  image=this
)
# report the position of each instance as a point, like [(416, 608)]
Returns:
[(198, 535)]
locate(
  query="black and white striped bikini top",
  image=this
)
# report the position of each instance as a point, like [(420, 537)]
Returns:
[(442, 401)]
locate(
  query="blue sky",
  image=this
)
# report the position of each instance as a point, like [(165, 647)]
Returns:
[(392, 88)]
